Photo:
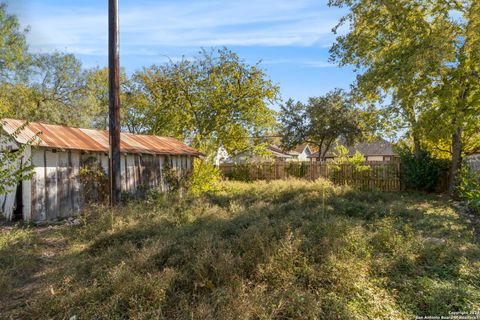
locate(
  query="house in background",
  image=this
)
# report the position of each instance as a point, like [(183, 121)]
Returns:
[(301, 152), (58, 153), (380, 150), (273, 153)]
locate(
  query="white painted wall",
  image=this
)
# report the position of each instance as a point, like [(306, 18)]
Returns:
[(304, 156), (222, 156)]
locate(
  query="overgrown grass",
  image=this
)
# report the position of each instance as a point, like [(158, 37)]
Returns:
[(277, 250)]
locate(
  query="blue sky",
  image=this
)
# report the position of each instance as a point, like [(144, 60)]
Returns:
[(291, 37)]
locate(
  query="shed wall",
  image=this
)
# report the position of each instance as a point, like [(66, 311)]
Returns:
[(56, 188)]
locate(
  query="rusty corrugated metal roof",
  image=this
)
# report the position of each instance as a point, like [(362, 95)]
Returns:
[(62, 137)]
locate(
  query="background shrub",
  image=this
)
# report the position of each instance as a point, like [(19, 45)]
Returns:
[(296, 169), (205, 177), (240, 172), (175, 181), (468, 188), (342, 160), (421, 172)]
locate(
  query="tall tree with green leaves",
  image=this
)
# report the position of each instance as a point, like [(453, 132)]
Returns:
[(59, 81), (457, 115), (97, 95), (14, 57), (55, 92), (418, 55), (213, 100), (14, 60), (320, 122)]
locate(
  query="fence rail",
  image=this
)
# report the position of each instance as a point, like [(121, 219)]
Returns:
[(383, 176)]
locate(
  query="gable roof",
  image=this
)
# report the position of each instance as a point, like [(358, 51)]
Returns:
[(374, 148), (277, 152), (62, 137), (300, 148)]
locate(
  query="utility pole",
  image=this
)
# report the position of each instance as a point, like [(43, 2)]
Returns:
[(114, 102)]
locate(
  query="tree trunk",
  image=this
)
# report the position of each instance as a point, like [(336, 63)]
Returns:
[(456, 160), (416, 145), (327, 148), (409, 109), (457, 141), (320, 148)]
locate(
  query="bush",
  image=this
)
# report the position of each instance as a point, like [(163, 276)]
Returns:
[(296, 169), (240, 172), (468, 188), (175, 181), (421, 172), (205, 177), (342, 160), (94, 181)]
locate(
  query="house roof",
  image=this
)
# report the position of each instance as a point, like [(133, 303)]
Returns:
[(62, 137), (300, 148), (277, 152), (374, 148)]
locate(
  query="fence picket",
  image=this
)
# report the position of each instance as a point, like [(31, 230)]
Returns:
[(384, 176)]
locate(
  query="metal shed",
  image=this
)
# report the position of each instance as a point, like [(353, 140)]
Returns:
[(58, 153)]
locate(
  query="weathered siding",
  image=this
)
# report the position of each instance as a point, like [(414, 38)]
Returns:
[(56, 190), (55, 185)]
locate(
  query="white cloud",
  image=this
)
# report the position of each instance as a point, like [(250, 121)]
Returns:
[(148, 25)]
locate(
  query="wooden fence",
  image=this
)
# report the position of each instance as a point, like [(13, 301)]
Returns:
[(383, 176)]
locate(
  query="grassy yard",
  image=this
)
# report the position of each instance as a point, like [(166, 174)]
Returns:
[(278, 250)]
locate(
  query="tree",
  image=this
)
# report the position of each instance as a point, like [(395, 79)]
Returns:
[(458, 108), (97, 91), (59, 81), (342, 158), (55, 92), (13, 47), (320, 122), (44, 87), (213, 100), (420, 55), (97, 95), (13, 58)]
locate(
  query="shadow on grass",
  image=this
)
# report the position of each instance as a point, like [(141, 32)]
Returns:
[(19, 260)]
